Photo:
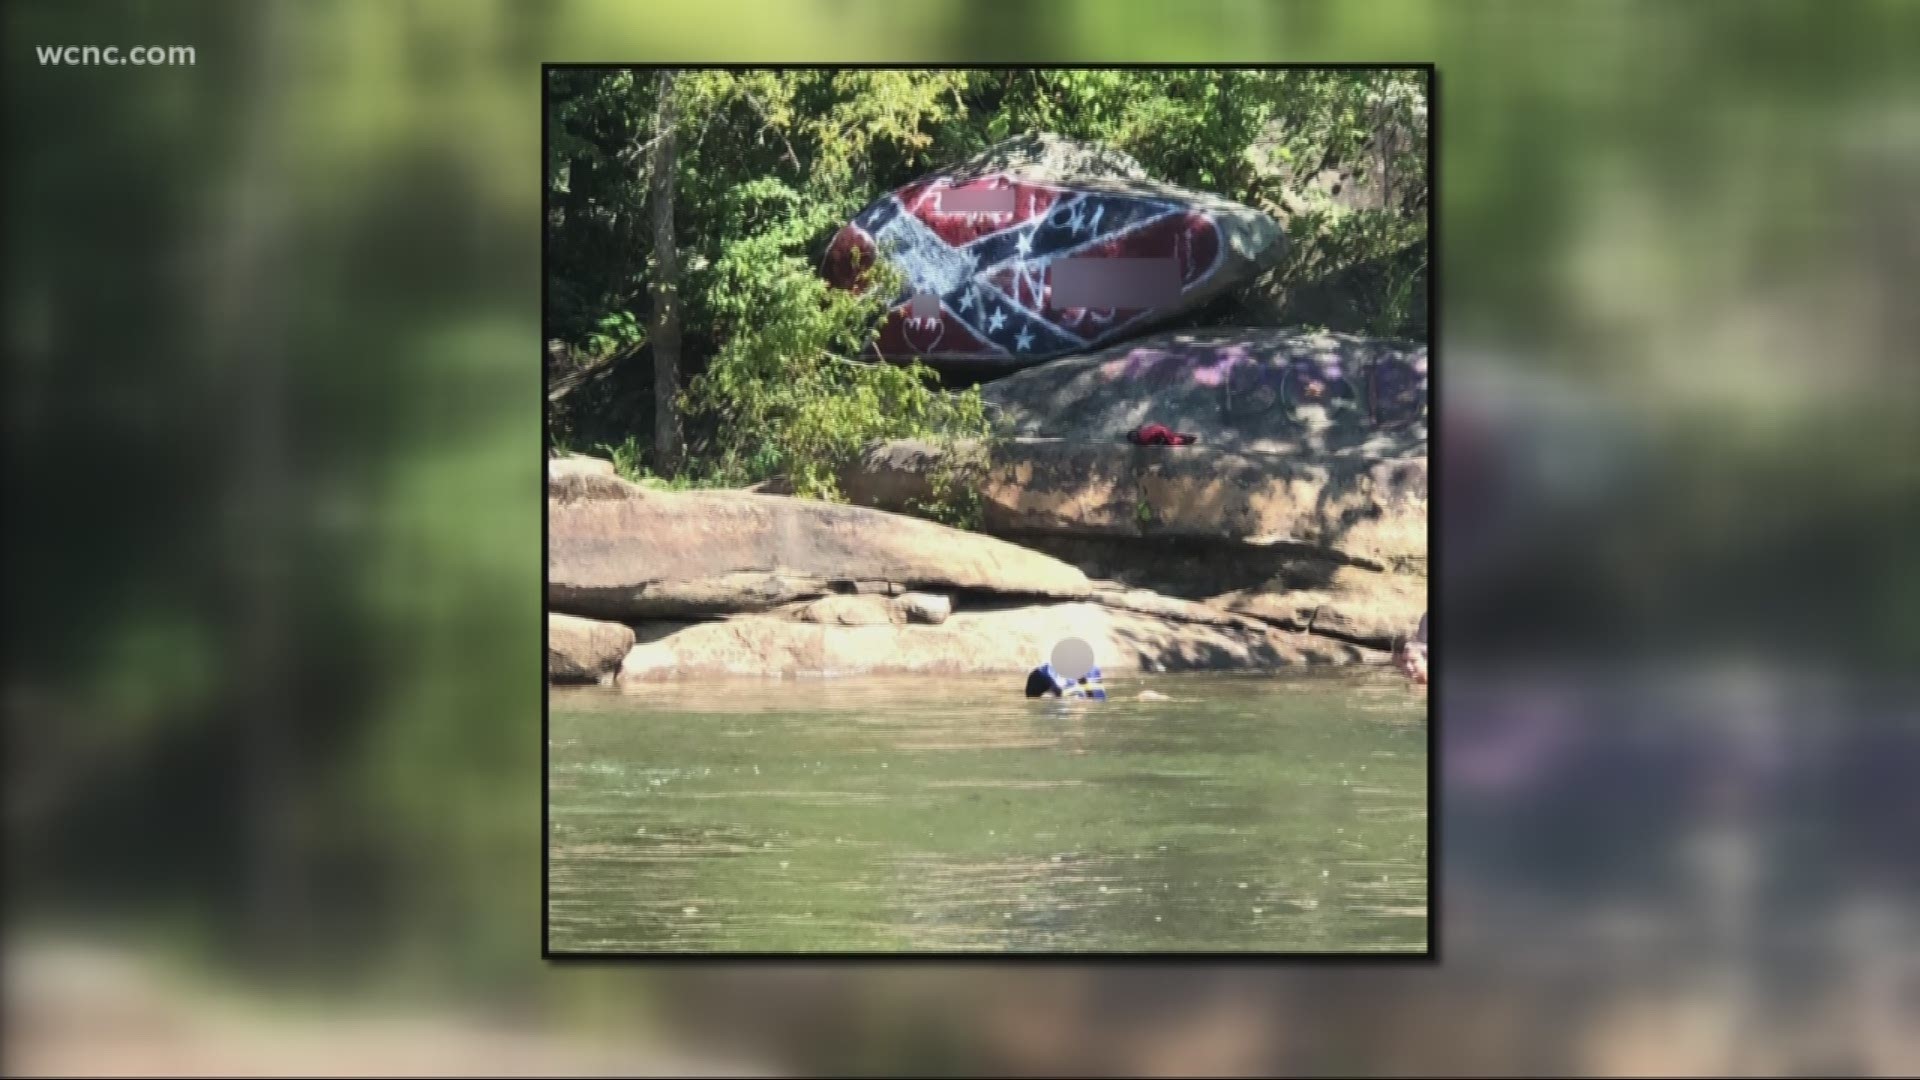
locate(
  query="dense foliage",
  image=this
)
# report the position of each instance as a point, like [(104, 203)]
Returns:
[(770, 163)]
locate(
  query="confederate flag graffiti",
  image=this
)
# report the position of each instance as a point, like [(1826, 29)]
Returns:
[(983, 276)]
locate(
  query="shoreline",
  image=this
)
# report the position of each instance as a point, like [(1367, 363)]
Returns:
[(647, 585)]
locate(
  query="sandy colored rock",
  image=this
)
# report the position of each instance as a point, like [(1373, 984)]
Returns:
[(1361, 508), (1009, 639), (578, 465), (871, 608), (584, 650), (641, 554), (583, 485), (1148, 602), (1365, 606), (919, 607), (848, 610)]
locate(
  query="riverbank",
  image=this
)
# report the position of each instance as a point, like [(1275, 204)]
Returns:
[(648, 586)]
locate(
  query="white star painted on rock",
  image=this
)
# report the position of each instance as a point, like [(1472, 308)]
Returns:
[(997, 320), (1024, 245), (966, 302), (1023, 341)]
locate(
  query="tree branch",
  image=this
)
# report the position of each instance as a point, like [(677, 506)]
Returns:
[(767, 124), (637, 149), (568, 381)]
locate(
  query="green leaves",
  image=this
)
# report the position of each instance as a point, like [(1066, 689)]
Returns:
[(614, 332), (772, 162), (781, 392)]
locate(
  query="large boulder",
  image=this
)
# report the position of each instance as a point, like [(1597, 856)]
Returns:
[(588, 483), (1365, 606), (1249, 388), (869, 609), (1008, 639), (922, 607), (1039, 247), (1124, 597), (570, 465), (1349, 507), (1305, 440), (584, 650), (625, 552), (1195, 569)]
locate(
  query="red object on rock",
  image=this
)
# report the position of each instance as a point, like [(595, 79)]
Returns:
[(1159, 435)]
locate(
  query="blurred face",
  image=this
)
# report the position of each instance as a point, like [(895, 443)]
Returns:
[(1411, 659)]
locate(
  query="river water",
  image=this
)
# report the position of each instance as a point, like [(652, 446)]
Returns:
[(1244, 814)]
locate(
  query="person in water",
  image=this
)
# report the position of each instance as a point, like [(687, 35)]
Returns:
[(1043, 681), (1411, 658)]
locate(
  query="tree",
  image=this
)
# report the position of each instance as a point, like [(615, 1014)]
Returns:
[(665, 282)]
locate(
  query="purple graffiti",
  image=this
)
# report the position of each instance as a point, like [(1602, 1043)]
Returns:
[(1159, 368), (1398, 391), (1309, 382), (1388, 392)]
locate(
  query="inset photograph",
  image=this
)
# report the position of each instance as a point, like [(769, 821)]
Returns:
[(987, 511)]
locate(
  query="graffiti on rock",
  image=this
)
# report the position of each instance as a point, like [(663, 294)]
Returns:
[(1317, 382), (1397, 390), (1388, 392), (984, 252), (1162, 369)]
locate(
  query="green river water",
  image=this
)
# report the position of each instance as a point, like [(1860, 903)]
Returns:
[(1245, 814)]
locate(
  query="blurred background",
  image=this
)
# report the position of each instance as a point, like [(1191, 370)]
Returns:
[(273, 571)]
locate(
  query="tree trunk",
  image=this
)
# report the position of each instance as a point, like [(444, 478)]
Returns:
[(665, 286)]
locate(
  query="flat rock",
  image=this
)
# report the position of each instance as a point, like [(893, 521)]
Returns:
[(1148, 602), (1352, 506), (1039, 247), (636, 553), (1365, 606), (586, 484), (1192, 569), (1252, 389), (584, 650), (1007, 639), (873, 608)]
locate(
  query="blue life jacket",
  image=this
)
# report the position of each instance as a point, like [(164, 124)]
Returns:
[(1088, 687)]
